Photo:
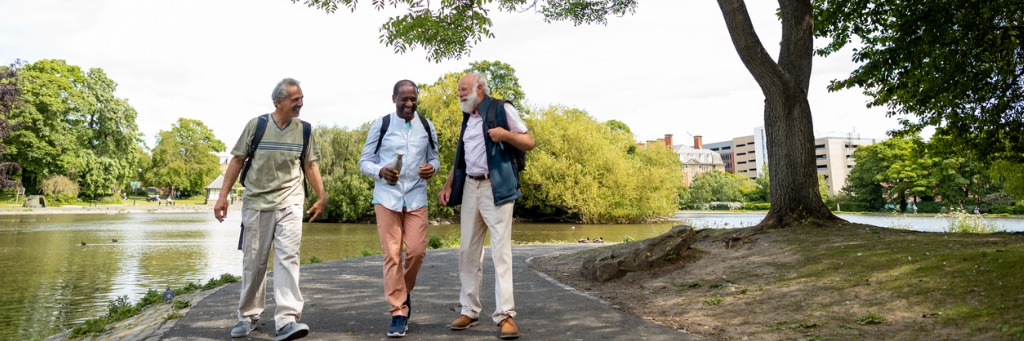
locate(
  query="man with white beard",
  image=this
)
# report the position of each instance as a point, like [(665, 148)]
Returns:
[(486, 184)]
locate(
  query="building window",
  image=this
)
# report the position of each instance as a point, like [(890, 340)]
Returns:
[(819, 146), (820, 156), (822, 166)]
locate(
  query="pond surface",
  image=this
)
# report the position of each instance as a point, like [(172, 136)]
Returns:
[(54, 282)]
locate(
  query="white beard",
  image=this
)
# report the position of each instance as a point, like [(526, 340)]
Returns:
[(470, 103)]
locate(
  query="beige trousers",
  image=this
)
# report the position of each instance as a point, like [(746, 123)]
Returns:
[(396, 228), (479, 216), (280, 230)]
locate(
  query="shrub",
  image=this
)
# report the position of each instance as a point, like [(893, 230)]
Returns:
[(60, 189), (929, 207), (961, 222), (853, 206), (757, 206)]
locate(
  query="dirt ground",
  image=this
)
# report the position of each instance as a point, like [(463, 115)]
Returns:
[(755, 291)]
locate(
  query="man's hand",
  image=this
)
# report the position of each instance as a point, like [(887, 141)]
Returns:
[(389, 174), (317, 209), (498, 134), (426, 171), (444, 195), (220, 209)]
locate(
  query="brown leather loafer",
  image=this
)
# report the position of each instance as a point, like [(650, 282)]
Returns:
[(463, 322), (508, 329)]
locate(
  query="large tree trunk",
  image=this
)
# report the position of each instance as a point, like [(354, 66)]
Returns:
[(787, 114)]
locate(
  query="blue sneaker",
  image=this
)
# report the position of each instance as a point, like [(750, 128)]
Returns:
[(399, 325), (292, 331), (243, 328)]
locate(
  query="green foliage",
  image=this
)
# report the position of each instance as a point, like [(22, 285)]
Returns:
[(367, 252), (349, 192), (90, 327), (173, 315), (961, 222), (583, 168), (179, 304), (715, 186), (315, 259), (953, 68), (712, 301), (184, 159), (72, 124), (870, 318), (10, 98), (152, 297), (437, 242), (60, 189), (757, 206), (120, 309), (449, 29), (628, 239), (1010, 175), (223, 279)]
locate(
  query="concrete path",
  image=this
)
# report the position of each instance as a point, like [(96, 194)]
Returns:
[(345, 301)]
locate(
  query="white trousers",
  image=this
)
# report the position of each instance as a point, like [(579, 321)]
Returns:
[(479, 216), (280, 230)]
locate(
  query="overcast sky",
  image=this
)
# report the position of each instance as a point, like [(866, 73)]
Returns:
[(668, 69)]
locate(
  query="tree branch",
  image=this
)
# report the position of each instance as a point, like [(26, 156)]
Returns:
[(766, 72)]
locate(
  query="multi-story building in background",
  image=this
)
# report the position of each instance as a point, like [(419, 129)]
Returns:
[(696, 159), (748, 154), (833, 155)]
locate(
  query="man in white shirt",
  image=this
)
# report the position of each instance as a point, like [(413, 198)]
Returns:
[(400, 195)]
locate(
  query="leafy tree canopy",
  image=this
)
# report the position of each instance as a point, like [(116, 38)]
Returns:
[(184, 159), (10, 98), (955, 65), (450, 29), (73, 125)]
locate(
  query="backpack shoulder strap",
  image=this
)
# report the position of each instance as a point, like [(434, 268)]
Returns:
[(307, 130), (430, 133), (497, 106), (385, 122), (257, 136)]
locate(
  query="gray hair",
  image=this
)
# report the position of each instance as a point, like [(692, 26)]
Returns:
[(479, 79), (279, 91)]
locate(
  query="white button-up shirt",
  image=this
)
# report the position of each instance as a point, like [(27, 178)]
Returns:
[(410, 138), (473, 139)]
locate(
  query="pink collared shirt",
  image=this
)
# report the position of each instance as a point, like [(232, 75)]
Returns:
[(476, 151)]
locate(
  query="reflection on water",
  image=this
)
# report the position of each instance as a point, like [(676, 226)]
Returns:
[(56, 282)]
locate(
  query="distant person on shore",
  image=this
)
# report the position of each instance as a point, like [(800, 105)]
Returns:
[(400, 195), (272, 209), (485, 183)]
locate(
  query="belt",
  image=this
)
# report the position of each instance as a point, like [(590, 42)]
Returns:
[(480, 177)]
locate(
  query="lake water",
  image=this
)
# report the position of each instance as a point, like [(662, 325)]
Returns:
[(54, 282)]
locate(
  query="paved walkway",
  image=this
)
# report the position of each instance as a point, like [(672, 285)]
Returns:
[(345, 301)]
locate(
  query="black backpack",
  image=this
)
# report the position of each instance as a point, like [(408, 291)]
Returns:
[(385, 122), (517, 156), (261, 127)]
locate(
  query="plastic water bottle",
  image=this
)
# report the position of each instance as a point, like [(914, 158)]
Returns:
[(397, 165)]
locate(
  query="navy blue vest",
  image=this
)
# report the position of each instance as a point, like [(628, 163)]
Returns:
[(504, 183)]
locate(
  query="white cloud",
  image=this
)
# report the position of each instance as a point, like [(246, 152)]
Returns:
[(668, 69)]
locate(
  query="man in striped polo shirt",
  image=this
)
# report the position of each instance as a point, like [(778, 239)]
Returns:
[(272, 210)]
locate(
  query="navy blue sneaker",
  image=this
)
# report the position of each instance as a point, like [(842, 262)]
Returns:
[(399, 325), (292, 331)]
